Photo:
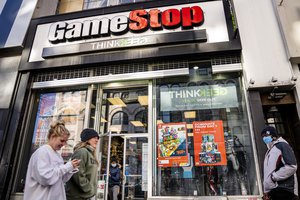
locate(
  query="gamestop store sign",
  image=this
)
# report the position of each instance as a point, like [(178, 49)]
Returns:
[(186, 23)]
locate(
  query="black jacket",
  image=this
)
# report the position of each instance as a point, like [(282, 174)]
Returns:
[(115, 176)]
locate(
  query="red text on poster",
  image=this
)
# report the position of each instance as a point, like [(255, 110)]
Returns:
[(209, 145)]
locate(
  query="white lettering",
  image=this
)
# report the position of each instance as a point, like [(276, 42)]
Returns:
[(57, 32), (73, 31)]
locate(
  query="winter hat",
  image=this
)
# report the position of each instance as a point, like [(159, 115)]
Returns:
[(269, 130), (87, 134)]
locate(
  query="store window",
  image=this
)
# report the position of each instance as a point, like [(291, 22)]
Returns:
[(119, 118), (142, 116), (67, 106), (202, 136), (66, 6)]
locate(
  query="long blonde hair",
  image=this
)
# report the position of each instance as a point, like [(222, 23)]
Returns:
[(58, 129), (84, 144)]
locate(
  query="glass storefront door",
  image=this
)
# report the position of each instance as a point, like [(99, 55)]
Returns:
[(134, 182), (124, 122)]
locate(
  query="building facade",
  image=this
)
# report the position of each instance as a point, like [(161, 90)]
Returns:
[(14, 21), (179, 91)]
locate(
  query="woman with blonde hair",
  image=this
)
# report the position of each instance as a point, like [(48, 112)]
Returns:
[(83, 185), (47, 173)]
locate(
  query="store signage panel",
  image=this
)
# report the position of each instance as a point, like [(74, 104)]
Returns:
[(113, 27), (137, 21), (167, 38), (198, 98)]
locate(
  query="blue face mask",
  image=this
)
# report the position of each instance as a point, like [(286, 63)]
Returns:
[(267, 139)]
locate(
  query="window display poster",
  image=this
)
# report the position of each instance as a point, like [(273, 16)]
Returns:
[(209, 145), (172, 145), (66, 106), (44, 118)]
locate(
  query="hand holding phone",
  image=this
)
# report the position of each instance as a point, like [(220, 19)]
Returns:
[(75, 163)]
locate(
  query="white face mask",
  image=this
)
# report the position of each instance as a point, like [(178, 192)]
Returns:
[(113, 165)]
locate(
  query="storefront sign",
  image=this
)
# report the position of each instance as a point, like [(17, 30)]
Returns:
[(154, 40), (137, 21), (172, 145), (198, 97), (209, 145), (144, 27)]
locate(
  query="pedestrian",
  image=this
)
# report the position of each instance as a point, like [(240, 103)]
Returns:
[(114, 179), (47, 173), (83, 185), (280, 166)]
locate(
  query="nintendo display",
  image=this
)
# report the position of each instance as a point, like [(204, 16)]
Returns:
[(172, 144), (209, 150)]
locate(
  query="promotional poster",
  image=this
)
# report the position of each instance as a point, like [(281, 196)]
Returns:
[(172, 145), (66, 106), (209, 145)]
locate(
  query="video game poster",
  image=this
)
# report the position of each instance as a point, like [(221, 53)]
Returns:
[(209, 145), (172, 144)]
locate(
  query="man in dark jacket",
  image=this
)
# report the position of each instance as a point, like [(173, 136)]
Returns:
[(114, 179), (280, 166)]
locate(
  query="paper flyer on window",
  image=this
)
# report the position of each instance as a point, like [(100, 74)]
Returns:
[(172, 145), (209, 145)]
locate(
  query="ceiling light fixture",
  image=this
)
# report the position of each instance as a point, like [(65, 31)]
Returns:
[(116, 101), (103, 120), (143, 100), (159, 121), (137, 123), (190, 115)]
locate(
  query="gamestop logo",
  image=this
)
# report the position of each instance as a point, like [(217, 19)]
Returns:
[(138, 21)]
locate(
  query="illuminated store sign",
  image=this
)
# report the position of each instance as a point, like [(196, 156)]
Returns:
[(198, 98), (195, 23), (137, 21)]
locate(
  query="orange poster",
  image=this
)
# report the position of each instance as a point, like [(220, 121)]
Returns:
[(172, 145), (209, 145)]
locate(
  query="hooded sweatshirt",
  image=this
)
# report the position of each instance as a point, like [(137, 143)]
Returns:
[(280, 165), (83, 185)]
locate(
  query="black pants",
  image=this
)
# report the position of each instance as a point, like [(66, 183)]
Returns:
[(280, 194)]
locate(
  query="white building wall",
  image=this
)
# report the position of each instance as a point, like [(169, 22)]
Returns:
[(263, 55), (289, 22), (289, 18)]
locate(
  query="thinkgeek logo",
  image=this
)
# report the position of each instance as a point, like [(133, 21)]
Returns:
[(138, 21)]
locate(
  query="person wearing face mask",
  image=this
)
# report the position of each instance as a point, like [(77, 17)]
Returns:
[(83, 185), (280, 166), (114, 179)]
